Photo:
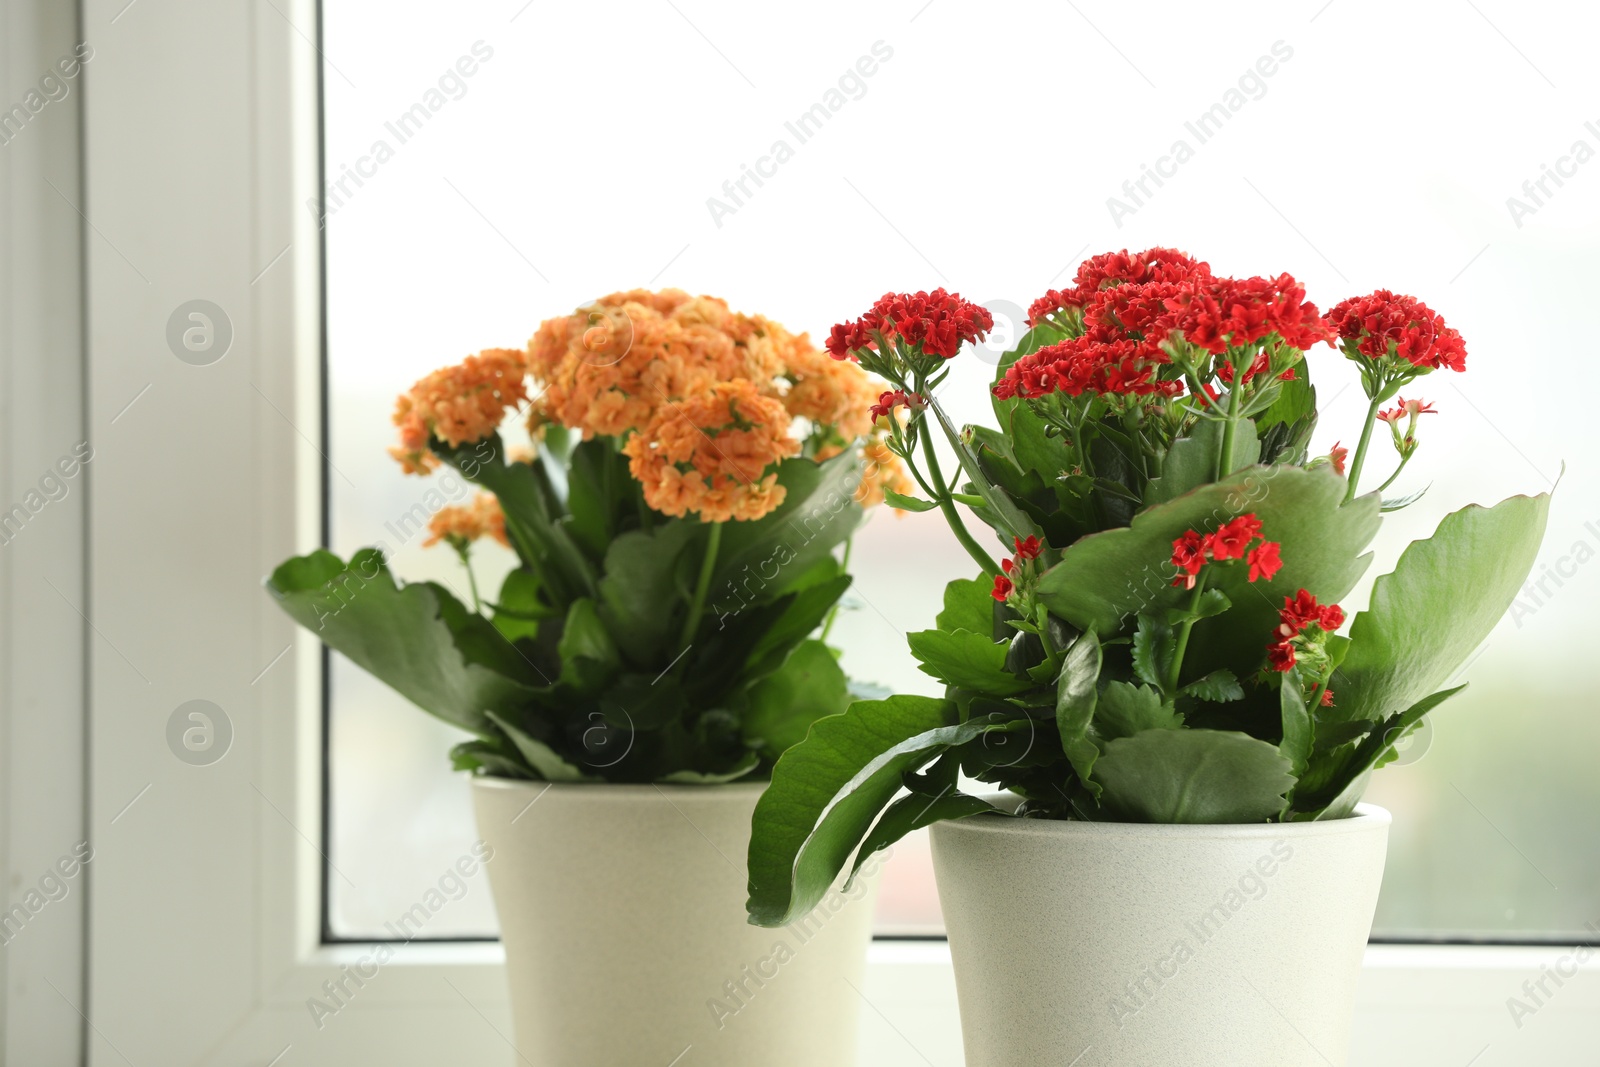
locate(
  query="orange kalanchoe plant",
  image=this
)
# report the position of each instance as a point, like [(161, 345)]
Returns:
[(675, 526)]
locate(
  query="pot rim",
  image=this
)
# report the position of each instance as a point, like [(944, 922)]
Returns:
[(618, 790), (1367, 818)]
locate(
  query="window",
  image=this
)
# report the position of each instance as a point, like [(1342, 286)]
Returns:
[(529, 185), (580, 157)]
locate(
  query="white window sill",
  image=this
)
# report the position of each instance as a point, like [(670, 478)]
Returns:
[(1418, 1004)]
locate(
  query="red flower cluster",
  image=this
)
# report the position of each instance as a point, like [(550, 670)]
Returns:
[(1221, 313), (1337, 456), (937, 322), (1131, 304), (1384, 321), (1025, 550), (1404, 407), (1115, 269), (1085, 365), (888, 401), (1232, 540), (1300, 612)]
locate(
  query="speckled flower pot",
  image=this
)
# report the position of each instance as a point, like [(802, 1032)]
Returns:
[(1134, 945), (622, 913)]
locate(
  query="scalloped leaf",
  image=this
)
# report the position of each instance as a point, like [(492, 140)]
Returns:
[(1190, 461), (1220, 686), (966, 660), (416, 638), (1193, 776), (1441, 602), (1125, 709)]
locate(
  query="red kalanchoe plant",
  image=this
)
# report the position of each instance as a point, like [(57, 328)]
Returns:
[(1130, 660)]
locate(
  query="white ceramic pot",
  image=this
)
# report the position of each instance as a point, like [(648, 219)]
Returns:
[(1135, 945), (622, 912)]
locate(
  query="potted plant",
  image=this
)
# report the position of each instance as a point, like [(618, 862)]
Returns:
[(634, 678), (1156, 683)]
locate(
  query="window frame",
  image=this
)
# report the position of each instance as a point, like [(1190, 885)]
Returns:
[(205, 922), (42, 634)]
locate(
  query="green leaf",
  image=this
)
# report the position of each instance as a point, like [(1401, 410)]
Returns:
[(542, 543), (1296, 400), (1440, 603), (541, 757), (639, 601), (600, 492), (417, 638), (1152, 651), (739, 770), (1219, 686), (1193, 776), (1296, 744), (1007, 514), (967, 660), (827, 790), (1330, 735), (1212, 602), (968, 605), (784, 704), (486, 757), (907, 503), (802, 612), (1125, 709), (639, 702), (818, 512), (1399, 502), (1342, 790), (1075, 701), (589, 657), (1106, 578), (912, 812), (1191, 459), (520, 608)]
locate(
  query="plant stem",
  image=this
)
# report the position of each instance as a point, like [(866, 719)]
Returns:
[(472, 581), (833, 612), (1403, 461), (1361, 447), (1225, 457), (917, 475), (701, 585), (1316, 697), (946, 505), (1176, 670)]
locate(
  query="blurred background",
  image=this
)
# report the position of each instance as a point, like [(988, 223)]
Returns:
[(1445, 154)]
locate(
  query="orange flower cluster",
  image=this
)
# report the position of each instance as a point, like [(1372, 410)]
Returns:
[(706, 400), (821, 394), (711, 453), (466, 402), (462, 525), (652, 368)]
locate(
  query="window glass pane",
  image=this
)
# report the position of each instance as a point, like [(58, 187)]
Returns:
[(744, 151)]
